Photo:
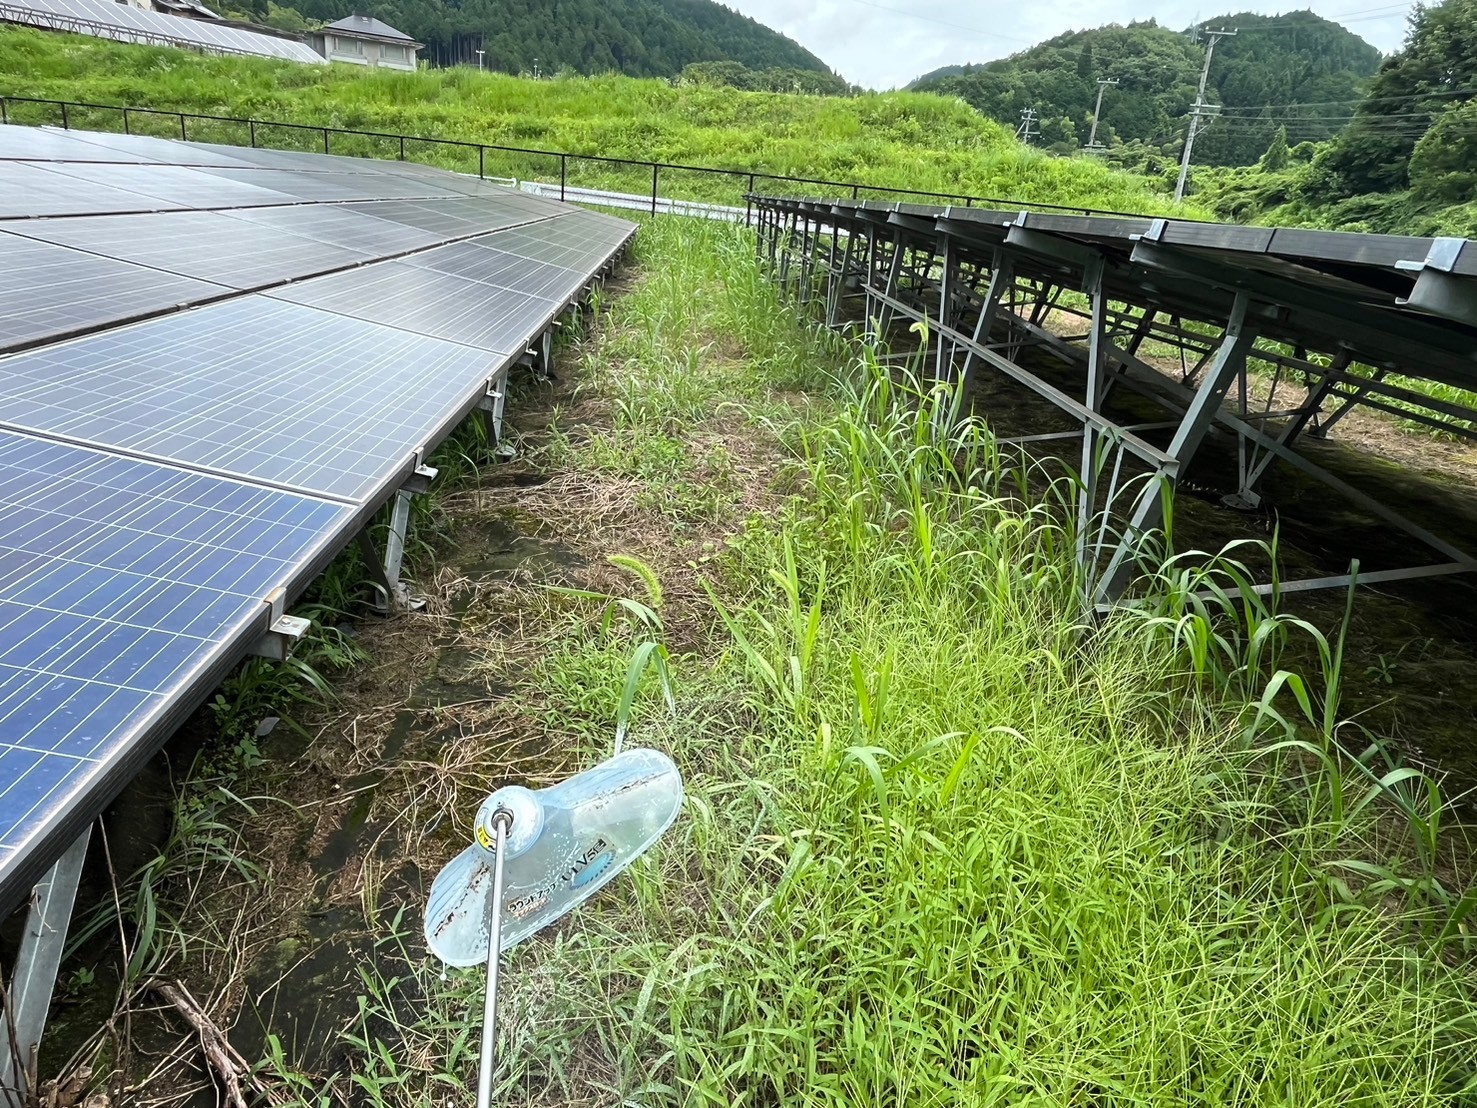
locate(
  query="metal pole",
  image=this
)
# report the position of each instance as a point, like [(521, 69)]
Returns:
[(126, 128), (182, 135), (654, 168), (487, 1063), (65, 126), (749, 200), (482, 162), (563, 175), (1097, 112), (251, 126), (36, 964), (1179, 188), (4, 117), (402, 148), (325, 140)]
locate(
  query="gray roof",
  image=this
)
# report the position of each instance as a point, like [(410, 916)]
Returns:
[(369, 27)]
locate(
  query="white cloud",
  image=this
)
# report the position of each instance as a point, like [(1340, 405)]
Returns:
[(886, 43)]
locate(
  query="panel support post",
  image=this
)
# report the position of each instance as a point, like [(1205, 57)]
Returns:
[(1001, 275), (1092, 284), (838, 288), (396, 596), (1253, 469), (894, 268), (34, 980), (1225, 367)]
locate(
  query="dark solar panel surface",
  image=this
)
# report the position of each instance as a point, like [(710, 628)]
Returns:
[(42, 143), (478, 262), (163, 151), (253, 388), (565, 241), (120, 581), (174, 186), (429, 303), (446, 218), (28, 190), (209, 246), (298, 185), (335, 224), (48, 290)]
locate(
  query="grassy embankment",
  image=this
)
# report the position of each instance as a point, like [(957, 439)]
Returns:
[(901, 140), (944, 843)]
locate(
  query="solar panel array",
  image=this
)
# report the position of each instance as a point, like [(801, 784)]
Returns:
[(215, 365), (124, 23)]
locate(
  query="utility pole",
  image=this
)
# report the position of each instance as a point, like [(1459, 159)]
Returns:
[(1102, 86), (1028, 129), (1200, 110)]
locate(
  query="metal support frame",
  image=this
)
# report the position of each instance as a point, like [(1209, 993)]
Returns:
[(395, 595), (34, 980), (905, 268)]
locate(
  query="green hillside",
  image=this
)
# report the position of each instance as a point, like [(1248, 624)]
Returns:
[(1406, 162), (1293, 59), (899, 140), (642, 38)]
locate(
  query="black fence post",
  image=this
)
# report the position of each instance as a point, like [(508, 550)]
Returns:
[(65, 125), (251, 124), (402, 148), (182, 135), (855, 191), (654, 168), (481, 162), (325, 140), (126, 127), (563, 175), (4, 117), (749, 203)]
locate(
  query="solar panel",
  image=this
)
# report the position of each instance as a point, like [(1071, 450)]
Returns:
[(333, 186), (209, 246), (448, 218), (144, 148), (28, 190), (45, 143), (48, 290), (252, 388), (334, 224), (566, 240), (476, 261), (176, 186), (121, 584), (429, 303)]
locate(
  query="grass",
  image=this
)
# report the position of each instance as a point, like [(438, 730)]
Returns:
[(899, 140), (944, 843)]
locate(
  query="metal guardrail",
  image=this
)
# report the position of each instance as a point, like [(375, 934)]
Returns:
[(63, 111)]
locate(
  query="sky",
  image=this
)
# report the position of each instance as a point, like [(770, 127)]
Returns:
[(886, 43)]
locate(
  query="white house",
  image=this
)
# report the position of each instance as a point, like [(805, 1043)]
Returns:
[(364, 40)]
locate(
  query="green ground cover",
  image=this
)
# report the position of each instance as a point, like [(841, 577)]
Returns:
[(901, 140), (944, 842)]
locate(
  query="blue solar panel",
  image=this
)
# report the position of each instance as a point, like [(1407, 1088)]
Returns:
[(252, 388), (121, 583)]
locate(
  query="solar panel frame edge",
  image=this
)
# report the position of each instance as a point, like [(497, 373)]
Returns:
[(17, 878)]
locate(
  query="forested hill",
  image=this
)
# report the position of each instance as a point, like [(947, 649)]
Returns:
[(1297, 63), (641, 38)]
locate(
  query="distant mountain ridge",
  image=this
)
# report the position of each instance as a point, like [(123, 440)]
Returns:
[(640, 38), (1278, 70)]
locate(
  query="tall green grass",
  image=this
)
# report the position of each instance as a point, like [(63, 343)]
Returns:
[(945, 842), (899, 140)]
